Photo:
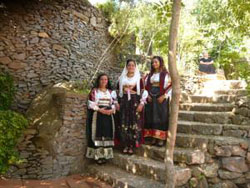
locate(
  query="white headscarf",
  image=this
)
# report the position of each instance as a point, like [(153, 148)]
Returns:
[(123, 78)]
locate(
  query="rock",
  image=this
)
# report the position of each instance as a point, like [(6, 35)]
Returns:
[(34, 40), (202, 183), (210, 170), (5, 60), (224, 151), (43, 35), (248, 157), (17, 65), (93, 21), (235, 164), (196, 171), (193, 182), (229, 175), (247, 175), (21, 56), (226, 184), (59, 48), (238, 151), (84, 18)]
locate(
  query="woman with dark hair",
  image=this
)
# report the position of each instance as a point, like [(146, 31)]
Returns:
[(158, 85), (100, 121), (132, 98)]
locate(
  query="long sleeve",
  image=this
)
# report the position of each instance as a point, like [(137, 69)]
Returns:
[(114, 99), (144, 92), (92, 102), (167, 86)]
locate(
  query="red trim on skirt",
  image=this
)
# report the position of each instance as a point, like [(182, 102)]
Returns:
[(162, 135)]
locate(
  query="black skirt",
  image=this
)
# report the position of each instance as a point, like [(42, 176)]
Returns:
[(131, 122), (100, 135), (156, 116)]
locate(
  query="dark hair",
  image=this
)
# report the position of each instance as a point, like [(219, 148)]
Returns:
[(130, 60), (97, 82), (162, 66)]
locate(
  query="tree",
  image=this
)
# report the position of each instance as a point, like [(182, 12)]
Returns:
[(174, 106)]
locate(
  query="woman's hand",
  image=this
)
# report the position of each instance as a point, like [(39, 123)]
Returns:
[(117, 107), (139, 108), (161, 99), (102, 110), (149, 98)]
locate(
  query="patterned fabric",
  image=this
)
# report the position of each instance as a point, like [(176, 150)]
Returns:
[(100, 127), (130, 123)]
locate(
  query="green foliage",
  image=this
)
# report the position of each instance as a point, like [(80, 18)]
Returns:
[(7, 91), (220, 27), (11, 128)]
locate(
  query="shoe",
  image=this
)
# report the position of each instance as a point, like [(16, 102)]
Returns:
[(99, 161), (125, 150), (130, 151)]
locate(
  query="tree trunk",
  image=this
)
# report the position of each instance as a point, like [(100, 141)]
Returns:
[(174, 105)]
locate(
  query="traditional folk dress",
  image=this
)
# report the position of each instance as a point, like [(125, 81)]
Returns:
[(100, 127), (131, 94), (156, 114)]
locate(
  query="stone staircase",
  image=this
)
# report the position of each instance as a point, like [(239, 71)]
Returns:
[(211, 149)]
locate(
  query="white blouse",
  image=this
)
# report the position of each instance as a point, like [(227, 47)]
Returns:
[(155, 78), (102, 98)]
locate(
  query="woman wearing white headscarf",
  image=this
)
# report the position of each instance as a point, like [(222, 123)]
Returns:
[(132, 98)]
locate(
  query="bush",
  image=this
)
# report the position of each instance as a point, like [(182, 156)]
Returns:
[(12, 125), (7, 91)]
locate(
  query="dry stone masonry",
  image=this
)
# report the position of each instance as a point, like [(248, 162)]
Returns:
[(46, 42), (55, 142)]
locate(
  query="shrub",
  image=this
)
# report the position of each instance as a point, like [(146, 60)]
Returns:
[(12, 125), (7, 91)]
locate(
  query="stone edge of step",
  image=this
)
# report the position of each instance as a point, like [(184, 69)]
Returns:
[(119, 177)]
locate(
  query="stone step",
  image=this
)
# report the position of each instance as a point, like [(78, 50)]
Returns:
[(237, 92), (206, 117), (119, 178), (226, 84), (181, 155), (149, 168), (208, 99), (191, 127), (207, 107), (208, 142)]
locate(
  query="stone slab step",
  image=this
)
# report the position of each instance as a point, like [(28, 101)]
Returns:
[(208, 99), (206, 107), (149, 168), (181, 155), (119, 178), (227, 84), (231, 92), (206, 117), (191, 127), (207, 142)]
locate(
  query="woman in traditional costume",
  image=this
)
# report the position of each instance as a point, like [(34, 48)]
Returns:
[(100, 121), (132, 98), (158, 86)]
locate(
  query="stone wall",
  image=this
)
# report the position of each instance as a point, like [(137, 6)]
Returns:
[(55, 142), (242, 110), (46, 42)]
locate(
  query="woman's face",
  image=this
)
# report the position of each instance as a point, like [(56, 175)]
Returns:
[(131, 67), (156, 64), (103, 82)]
